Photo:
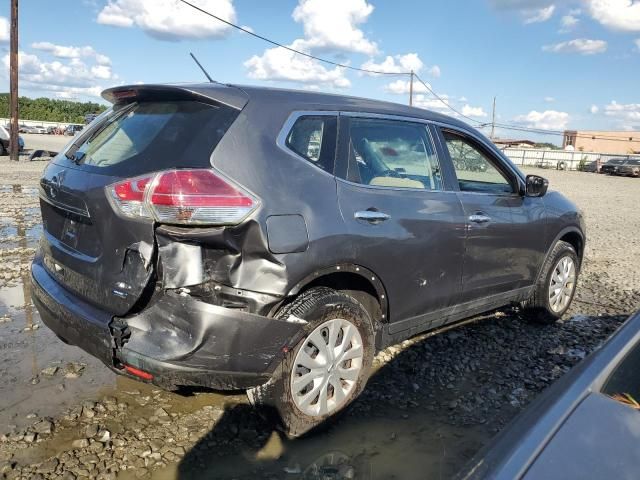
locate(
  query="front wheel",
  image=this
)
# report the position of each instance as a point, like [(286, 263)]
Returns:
[(330, 365), (556, 285)]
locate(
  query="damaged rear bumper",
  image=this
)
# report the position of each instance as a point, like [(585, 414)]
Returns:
[(179, 340)]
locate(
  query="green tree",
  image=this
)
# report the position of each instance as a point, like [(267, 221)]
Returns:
[(50, 110)]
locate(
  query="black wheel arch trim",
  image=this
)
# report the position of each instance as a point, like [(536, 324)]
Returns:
[(562, 233), (359, 270)]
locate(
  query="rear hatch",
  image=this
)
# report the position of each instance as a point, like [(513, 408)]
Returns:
[(102, 254)]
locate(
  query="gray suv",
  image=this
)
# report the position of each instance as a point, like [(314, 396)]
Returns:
[(270, 240)]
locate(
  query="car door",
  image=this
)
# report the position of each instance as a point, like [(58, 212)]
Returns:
[(406, 226), (505, 230)]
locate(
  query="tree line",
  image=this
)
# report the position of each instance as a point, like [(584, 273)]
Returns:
[(50, 110)]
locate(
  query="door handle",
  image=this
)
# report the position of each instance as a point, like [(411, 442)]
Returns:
[(479, 218), (371, 216)]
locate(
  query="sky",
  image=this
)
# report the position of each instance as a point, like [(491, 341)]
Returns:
[(550, 65)]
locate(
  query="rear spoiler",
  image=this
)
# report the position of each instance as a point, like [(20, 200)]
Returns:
[(214, 93)]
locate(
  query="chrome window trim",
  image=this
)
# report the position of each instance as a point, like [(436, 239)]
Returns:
[(281, 139), (295, 115)]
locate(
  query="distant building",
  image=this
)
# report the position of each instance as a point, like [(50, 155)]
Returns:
[(507, 142), (603, 142)]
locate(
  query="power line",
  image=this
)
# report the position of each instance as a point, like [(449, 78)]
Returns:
[(560, 133), (444, 102), (273, 42), (378, 72)]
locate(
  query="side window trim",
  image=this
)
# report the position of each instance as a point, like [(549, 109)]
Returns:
[(344, 141), (512, 176), (283, 134)]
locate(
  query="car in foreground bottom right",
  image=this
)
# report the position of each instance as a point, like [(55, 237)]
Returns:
[(586, 426)]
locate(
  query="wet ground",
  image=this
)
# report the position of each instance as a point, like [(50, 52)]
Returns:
[(430, 405)]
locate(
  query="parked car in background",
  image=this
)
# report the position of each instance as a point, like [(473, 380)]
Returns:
[(39, 129), (274, 240), (586, 425), (592, 167), (4, 141), (630, 168), (612, 165), (27, 129), (71, 130)]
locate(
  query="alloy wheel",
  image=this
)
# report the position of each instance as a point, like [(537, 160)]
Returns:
[(563, 282), (327, 367)]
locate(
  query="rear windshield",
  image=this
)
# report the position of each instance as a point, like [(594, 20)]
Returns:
[(141, 137)]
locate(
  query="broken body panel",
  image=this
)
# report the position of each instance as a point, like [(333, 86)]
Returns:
[(194, 305)]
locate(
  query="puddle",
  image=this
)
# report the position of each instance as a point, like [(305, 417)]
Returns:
[(26, 348), (379, 447)]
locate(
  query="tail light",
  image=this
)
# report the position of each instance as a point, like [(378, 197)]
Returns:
[(190, 197)]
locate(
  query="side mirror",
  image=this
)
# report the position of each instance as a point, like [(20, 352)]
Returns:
[(536, 186)]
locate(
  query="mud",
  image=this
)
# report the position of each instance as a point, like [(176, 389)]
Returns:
[(431, 403)]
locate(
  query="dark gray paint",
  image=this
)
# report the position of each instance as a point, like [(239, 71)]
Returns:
[(427, 263), (287, 234), (600, 439)]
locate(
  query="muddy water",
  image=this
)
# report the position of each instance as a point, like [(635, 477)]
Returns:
[(26, 347), (366, 448)]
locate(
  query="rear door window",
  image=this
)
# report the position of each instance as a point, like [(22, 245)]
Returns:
[(141, 137), (392, 154)]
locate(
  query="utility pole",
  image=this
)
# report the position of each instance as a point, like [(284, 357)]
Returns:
[(493, 119), (411, 90), (13, 81)]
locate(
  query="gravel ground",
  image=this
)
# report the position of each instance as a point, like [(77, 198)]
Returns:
[(431, 404)]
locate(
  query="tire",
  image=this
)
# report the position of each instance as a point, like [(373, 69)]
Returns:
[(543, 306), (3, 150), (329, 313)]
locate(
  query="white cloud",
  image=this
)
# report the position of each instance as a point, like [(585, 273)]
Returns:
[(169, 19), (4, 30), (569, 22), (281, 64), (637, 43), (332, 25), (432, 103), (401, 87), (329, 25), (540, 15), (629, 112), (616, 14), (547, 120), (470, 111), (73, 76), (62, 51), (549, 99), (435, 71), (397, 63), (594, 109), (583, 46)]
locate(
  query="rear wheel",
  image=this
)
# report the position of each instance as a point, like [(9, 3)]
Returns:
[(3, 150), (329, 367), (556, 285)]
